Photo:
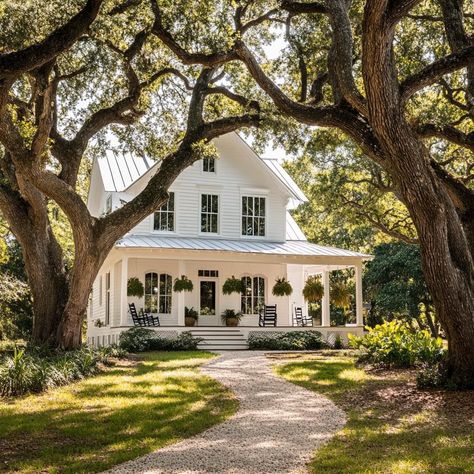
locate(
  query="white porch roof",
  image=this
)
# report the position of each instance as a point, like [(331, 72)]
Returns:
[(296, 248)]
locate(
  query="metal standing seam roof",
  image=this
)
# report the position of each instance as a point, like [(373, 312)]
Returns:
[(288, 248), (293, 231), (121, 169)]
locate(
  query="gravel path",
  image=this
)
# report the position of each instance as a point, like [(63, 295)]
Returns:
[(276, 429)]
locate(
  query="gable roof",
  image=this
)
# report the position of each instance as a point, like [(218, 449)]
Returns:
[(293, 231), (119, 170)]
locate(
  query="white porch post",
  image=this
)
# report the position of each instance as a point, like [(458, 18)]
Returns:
[(123, 293), (359, 302), (180, 296), (325, 313)]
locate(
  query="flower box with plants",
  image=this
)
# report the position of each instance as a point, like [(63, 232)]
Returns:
[(230, 317), (190, 316)]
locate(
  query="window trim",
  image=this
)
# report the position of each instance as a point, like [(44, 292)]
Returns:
[(254, 195), (175, 221), (108, 299), (217, 295), (219, 213)]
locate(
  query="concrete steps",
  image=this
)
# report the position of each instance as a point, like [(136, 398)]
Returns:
[(220, 339)]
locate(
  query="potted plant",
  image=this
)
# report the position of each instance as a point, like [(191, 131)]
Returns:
[(182, 284), (135, 287), (190, 316), (313, 290), (232, 285), (282, 287), (231, 317), (340, 295)]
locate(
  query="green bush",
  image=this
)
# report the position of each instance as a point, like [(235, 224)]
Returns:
[(394, 344), (286, 341), (142, 339), (432, 376), (38, 369)]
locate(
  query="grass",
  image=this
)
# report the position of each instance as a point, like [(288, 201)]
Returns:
[(392, 426), (126, 411)]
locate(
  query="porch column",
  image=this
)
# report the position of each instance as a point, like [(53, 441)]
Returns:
[(325, 304), (123, 293), (180, 297), (359, 302)]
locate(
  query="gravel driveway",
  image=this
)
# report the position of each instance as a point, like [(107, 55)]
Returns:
[(276, 429)]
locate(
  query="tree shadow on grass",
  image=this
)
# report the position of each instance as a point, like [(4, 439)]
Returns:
[(393, 427), (121, 414)]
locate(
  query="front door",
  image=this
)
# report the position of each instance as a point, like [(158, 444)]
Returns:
[(207, 298)]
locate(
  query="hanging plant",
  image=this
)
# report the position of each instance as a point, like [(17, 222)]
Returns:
[(183, 284), (135, 287), (340, 295), (232, 285), (313, 290), (282, 287)]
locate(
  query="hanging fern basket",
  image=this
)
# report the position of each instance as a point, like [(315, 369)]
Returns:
[(232, 285), (282, 287), (313, 290), (341, 295), (135, 287), (182, 284)]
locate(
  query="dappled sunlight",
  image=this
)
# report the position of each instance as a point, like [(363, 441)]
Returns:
[(120, 414)]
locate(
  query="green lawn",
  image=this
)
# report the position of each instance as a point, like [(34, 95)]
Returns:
[(392, 426), (127, 411)]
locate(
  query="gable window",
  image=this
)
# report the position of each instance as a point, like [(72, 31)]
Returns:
[(209, 213), (164, 216), (253, 216), (158, 293), (253, 296), (209, 165)]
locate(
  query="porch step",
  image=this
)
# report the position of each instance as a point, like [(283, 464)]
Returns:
[(220, 339)]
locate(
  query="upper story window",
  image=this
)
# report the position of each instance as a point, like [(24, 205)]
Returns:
[(210, 213), (253, 296), (209, 165), (253, 216), (158, 289), (164, 216)]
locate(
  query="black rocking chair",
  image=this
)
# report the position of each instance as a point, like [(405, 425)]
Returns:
[(145, 320), (300, 320), (268, 317)]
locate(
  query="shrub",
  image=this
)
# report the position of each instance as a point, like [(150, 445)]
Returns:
[(394, 344), (432, 376), (338, 343), (142, 339), (295, 340), (38, 369)]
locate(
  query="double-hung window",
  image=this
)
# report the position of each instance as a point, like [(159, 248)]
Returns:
[(210, 213), (158, 289), (164, 216), (253, 216), (253, 296), (209, 165)]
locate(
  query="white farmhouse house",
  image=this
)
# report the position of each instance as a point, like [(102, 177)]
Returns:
[(225, 217)]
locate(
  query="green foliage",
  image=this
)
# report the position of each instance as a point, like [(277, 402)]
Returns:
[(38, 369), (395, 284), (182, 284), (135, 287), (231, 314), (394, 344), (142, 339), (191, 313), (291, 341), (232, 285), (338, 342), (341, 294), (313, 290), (282, 287), (433, 376)]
